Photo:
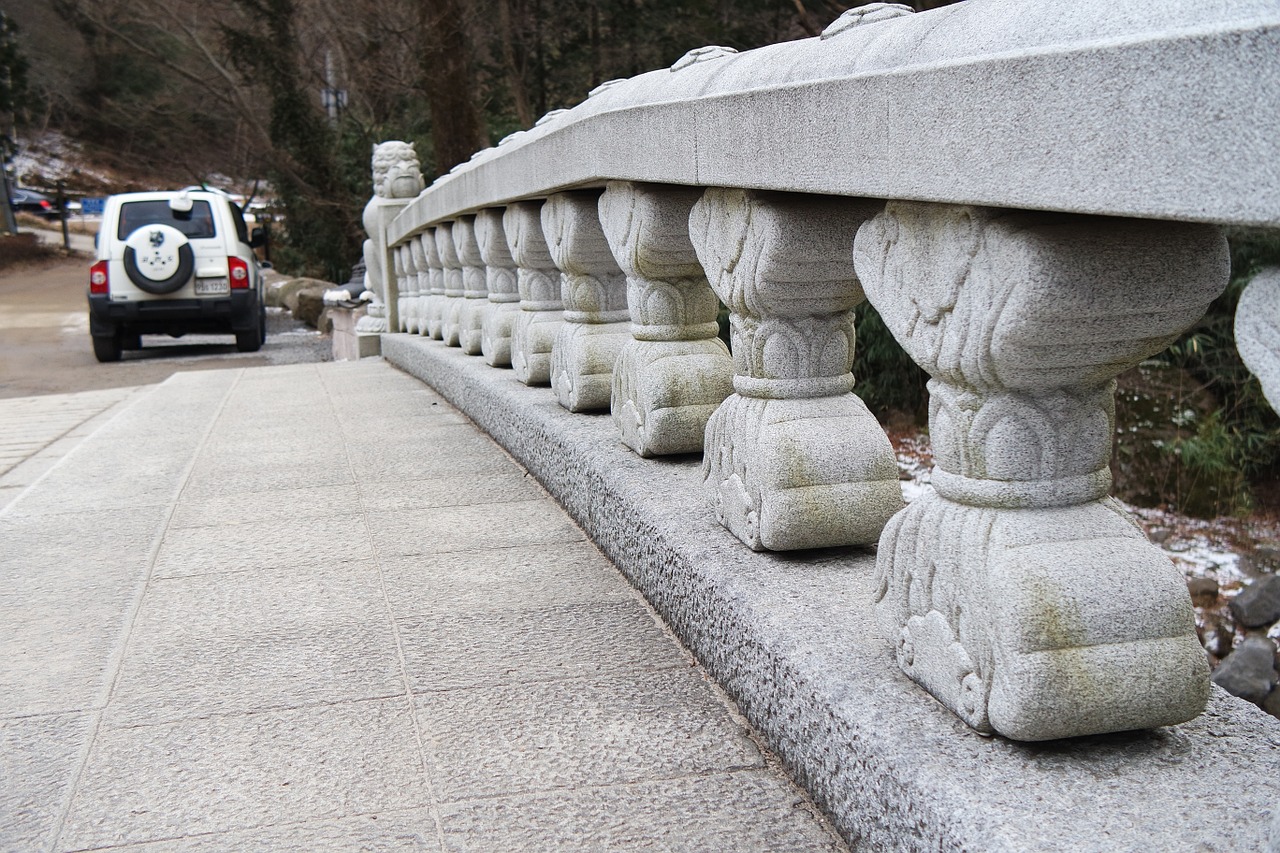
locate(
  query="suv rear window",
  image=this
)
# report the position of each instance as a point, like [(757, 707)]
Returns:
[(197, 222)]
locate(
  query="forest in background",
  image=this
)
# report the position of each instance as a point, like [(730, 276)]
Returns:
[(184, 91)]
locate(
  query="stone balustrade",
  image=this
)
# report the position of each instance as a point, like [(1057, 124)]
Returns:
[(1029, 194)]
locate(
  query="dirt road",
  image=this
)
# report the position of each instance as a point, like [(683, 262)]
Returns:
[(45, 348)]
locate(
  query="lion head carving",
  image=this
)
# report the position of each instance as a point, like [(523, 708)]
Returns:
[(395, 170)]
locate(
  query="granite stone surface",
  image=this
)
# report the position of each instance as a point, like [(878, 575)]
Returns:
[(233, 651), (1101, 110), (793, 640)]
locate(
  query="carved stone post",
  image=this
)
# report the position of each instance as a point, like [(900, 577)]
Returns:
[(398, 257), (474, 289), (413, 323), (409, 291), (792, 459), (597, 323), (675, 372), (541, 311), (1020, 594), (396, 180), (433, 314), (504, 293), (454, 285)]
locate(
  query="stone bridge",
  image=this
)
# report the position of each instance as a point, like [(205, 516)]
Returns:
[(1032, 196)]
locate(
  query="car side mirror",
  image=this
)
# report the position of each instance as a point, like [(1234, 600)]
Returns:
[(257, 237)]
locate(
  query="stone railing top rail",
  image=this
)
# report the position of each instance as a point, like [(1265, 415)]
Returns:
[(1113, 107)]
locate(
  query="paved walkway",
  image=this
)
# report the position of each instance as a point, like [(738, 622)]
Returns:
[(313, 607), (35, 432)]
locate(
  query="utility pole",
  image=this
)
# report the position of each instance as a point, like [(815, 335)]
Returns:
[(62, 213), (333, 99), (10, 222)]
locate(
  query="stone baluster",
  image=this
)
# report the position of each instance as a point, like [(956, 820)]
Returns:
[(415, 305), (475, 290), (454, 285), (433, 314), (538, 279), (409, 289), (597, 323), (504, 292), (1020, 594), (398, 267), (793, 459), (674, 372)]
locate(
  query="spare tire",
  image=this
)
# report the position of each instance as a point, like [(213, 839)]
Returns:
[(158, 258)]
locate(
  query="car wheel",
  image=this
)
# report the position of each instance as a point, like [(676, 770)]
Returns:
[(131, 340), (158, 259), (262, 320), (250, 340), (106, 348)]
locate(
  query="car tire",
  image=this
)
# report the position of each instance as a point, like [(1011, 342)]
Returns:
[(106, 348), (186, 261), (262, 320), (250, 340), (131, 340)]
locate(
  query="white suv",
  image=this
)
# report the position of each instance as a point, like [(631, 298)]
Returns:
[(169, 263)]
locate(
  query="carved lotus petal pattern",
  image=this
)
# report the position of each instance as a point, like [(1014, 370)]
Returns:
[(872, 13), (702, 54)]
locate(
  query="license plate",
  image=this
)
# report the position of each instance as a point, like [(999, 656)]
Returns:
[(212, 287)]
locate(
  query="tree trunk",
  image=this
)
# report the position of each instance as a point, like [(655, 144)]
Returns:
[(457, 130), (514, 57)]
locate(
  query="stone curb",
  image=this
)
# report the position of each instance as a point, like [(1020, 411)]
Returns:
[(793, 640)]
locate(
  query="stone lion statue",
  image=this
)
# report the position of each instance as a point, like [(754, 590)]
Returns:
[(396, 178), (395, 170)]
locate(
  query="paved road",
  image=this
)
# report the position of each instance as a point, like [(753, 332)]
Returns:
[(313, 607), (45, 347), (79, 242)]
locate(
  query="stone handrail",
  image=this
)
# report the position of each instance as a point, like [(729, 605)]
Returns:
[(1029, 195)]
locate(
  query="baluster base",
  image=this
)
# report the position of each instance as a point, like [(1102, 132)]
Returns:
[(495, 333), (471, 323), (800, 473), (533, 334), (664, 392), (1038, 624), (582, 361)]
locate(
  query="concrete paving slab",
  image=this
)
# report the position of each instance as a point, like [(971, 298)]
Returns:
[(233, 772), (174, 675), (503, 525), (38, 756), (32, 424), (412, 831), (509, 483), (280, 478), (257, 545), (241, 641), (487, 649), (746, 810), (540, 736), (271, 639), (281, 507), (501, 579)]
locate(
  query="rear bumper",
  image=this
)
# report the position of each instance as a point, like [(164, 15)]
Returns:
[(174, 316)]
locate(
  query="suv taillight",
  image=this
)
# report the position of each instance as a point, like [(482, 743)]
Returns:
[(238, 270), (98, 278)]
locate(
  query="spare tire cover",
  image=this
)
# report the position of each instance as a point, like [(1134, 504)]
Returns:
[(158, 258)]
